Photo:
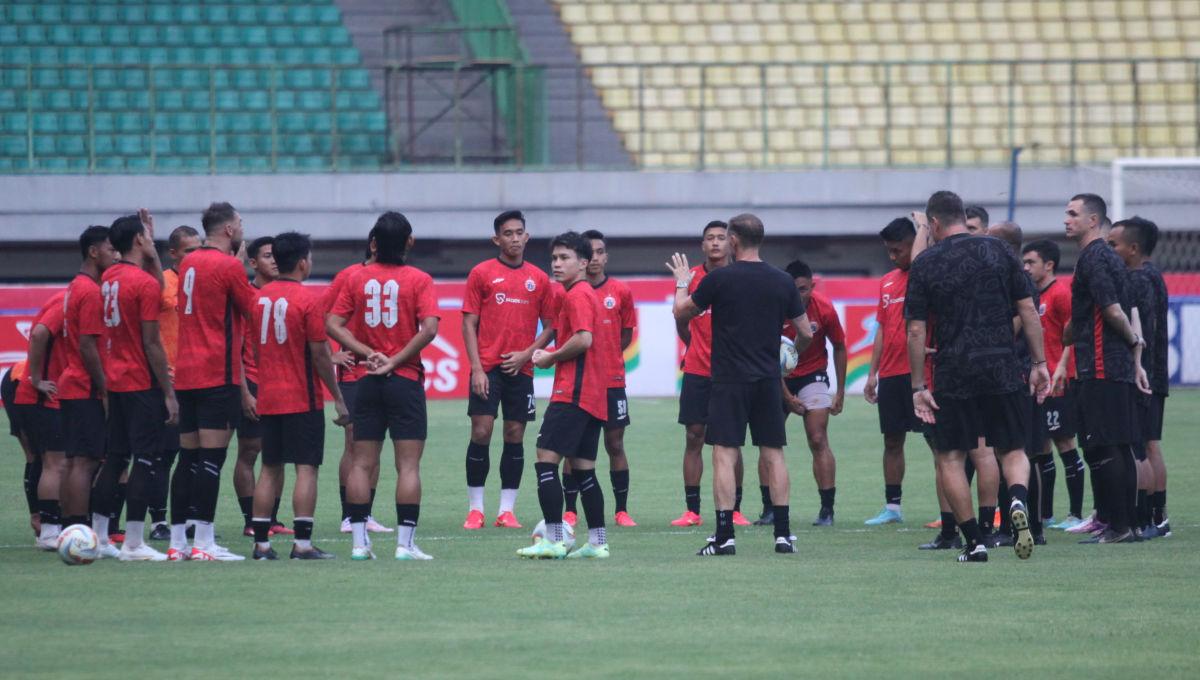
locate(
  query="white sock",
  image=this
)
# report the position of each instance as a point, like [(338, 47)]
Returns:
[(359, 530), (508, 500), (894, 507), (404, 535), (205, 535), (179, 536), (304, 543), (50, 531), (133, 534), (100, 526), (475, 497), (597, 536), (554, 532), (263, 546)]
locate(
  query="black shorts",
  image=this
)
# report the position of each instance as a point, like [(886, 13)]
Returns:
[(43, 426), (8, 393), (1058, 416), (210, 408), (246, 428), (733, 406), (349, 391), (84, 430), (295, 438), (693, 399), (515, 392), (894, 398), (389, 403), (136, 421), (170, 439), (1035, 441), (1107, 415), (1152, 422), (1003, 421), (570, 431), (618, 409)]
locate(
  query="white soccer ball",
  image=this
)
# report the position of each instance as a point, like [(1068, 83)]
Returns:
[(78, 544), (788, 356), (539, 531)]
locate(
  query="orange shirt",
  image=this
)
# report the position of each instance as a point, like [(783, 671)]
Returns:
[(168, 317)]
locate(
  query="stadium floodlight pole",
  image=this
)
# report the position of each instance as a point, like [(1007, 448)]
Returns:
[(1012, 182), (1117, 203)]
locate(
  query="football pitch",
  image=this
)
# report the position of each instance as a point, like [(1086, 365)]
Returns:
[(855, 601)]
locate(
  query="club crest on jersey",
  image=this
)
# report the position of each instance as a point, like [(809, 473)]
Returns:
[(1042, 309), (813, 325), (500, 297), (530, 285), (610, 302)]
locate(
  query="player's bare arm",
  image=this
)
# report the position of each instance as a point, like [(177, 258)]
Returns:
[(684, 308), (578, 344), (470, 331), (39, 340), (323, 361), (335, 326), (840, 356), (1141, 379), (869, 392), (804, 334), (426, 332), (89, 349), (923, 402), (150, 260), (1039, 377), (156, 357)]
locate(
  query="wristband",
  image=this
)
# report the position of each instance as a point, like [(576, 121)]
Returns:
[(922, 388), (1136, 339), (681, 285)]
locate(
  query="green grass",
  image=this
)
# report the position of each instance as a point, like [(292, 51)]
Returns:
[(854, 602)]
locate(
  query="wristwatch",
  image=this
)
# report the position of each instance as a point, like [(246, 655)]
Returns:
[(681, 284)]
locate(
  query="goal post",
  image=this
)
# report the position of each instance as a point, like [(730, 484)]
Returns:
[(1157, 181)]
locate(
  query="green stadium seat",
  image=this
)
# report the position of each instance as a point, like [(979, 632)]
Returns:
[(227, 100), (196, 163), (45, 122), (201, 35), (217, 14), (104, 121), (22, 14), (162, 14), (229, 36), (9, 35), (102, 55), (290, 121), (313, 100), (189, 14), (197, 99), (174, 36), (354, 79), (255, 36), (132, 122), (301, 15), (62, 35), (147, 36), (256, 100), (14, 145), (131, 145), (79, 14), (345, 56), (52, 163), (245, 15), (74, 122), (109, 163), (274, 15), (239, 56), (285, 100), (9, 99), (77, 55), (71, 145), (91, 35), (106, 14), (33, 34), (43, 145), (134, 14), (328, 15), (169, 100), (14, 122), (48, 13)]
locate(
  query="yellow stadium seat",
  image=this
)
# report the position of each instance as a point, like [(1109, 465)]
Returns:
[(685, 13), (601, 13)]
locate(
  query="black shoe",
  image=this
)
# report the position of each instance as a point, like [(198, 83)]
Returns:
[(998, 540), (713, 548), (1164, 529), (824, 518), (160, 532), (268, 554), (976, 554), (784, 545), (313, 553), (1149, 532), (941, 542), (1110, 536), (1039, 539), (766, 519)]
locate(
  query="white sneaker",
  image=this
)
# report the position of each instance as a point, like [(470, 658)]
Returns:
[(215, 553), (376, 527), (49, 543), (108, 551), (346, 526), (411, 552), (142, 553), (358, 554)]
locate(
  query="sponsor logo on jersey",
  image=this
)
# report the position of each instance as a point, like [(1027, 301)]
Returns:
[(499, 280), (500, 298), (889, 300)]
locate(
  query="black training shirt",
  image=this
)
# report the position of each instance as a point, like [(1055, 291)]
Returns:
[(1150, 297), (1100, 280)]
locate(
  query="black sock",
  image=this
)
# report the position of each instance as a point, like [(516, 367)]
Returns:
[(891, 494), (987, 518), (1094, 459), (592, 496), (303, 529), (1019, 492), (407, 514), (104, 488), (262, 529), (550, 492), (737, 499), (827, 497), (275, 512), (1108, 476), (724, 525), (358, 512), (1034, 496), (33, 474), (246, 503), (77, 519), (1131, 483), (691, 496), (1158, 506), (570, 486), (620, 485), (119, 498), (342, 496), (766, 497), (1004, 501), (206, 486), (160, 485), (141, 481), (181, 486), (512, 465), (971, 531), (969, 468), (1048, 470), (371, 503), (1143, 508), (949, 525), (1073, 479), (49, 510), (478, 464), (783, 525)]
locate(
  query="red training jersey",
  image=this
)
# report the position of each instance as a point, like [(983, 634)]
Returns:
[(889, 319), (50, 316), (82, 315), (698, 358), (327, 303), (580, 380), (131, 297), (286, 318), (214, 300), (388, 302), (1054, 309), (825, 323), (617, 313), (250, 345), (509, 302)]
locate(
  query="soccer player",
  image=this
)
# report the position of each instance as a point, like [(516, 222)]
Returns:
[(977, 220), (249, 432), (746, 388), (141, 398), (578, 406), (970, 286), (392, 309), (696, 335), (293, 352), (1134, 240), (9, 385), (888, 381), (1041, 260), (37, 402), (214, 299), (807, 387), (81, 386), (505, 299), (1106, 346)]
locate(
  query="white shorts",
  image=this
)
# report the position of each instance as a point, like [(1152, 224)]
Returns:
[(815, 396)]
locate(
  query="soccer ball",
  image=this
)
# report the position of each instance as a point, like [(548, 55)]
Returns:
[(788, 356), (78, 544), (539, 531)]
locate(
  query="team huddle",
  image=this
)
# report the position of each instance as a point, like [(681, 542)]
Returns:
[(139, 377)]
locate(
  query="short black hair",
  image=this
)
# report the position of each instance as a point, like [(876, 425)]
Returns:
[(898, 230), (217, 215), (1141, 231), (715, 224), (92, 236), (595, 235), (1046, 249), (391, 233), (946, 207), (977, 211), (748, 229), (288, 249), (506, 216), (124, 231), (179, 233), (574, 241), (798, 269), (1094, 205), (257, 245)]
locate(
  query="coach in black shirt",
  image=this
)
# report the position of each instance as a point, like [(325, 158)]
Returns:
[(750, 301), (969, 287)]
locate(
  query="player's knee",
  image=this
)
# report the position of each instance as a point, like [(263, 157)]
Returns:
[(818, 442), (514, 433)]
